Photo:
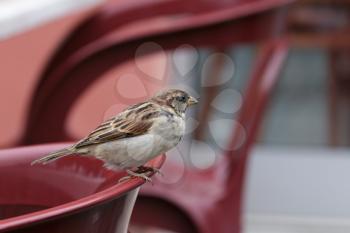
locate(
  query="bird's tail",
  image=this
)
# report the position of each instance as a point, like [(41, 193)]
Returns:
[(53, 156)]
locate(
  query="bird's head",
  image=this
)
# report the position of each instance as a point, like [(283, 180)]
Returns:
[(176, 99)]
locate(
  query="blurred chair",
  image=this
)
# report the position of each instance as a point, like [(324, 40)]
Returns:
[(208, 200), (326, 24), (208, 94), (68, 195)]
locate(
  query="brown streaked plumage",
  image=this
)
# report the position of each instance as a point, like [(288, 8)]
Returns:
[(135, 135)]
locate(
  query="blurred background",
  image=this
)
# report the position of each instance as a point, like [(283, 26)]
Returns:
[(298, 169)]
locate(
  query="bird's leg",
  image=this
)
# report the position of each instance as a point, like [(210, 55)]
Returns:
[(132, 174), (141, 172), (143, 169), (142, 175)]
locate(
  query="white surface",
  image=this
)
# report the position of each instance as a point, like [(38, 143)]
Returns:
[(292, 224), (299, 182), (21, 15)]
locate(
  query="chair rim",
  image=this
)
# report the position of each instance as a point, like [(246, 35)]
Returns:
[(91, 200)]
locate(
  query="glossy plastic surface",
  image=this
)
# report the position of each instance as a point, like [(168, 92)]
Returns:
[(73, 194)]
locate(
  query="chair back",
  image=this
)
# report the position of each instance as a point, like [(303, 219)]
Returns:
[(69, 74)]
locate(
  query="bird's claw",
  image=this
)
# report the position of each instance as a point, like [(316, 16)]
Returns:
[(158, 171), (144, 169), (132, 175), (141, 172)]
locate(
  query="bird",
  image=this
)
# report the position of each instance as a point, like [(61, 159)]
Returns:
[(136, 135)]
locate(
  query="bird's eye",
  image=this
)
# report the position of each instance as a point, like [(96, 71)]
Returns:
[(181, 98)]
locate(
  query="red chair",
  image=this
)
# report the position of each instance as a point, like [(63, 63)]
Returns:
[(69, 195), (195, 22), (210, 200)]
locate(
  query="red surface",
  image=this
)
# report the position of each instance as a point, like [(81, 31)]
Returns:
[(22, 59), (207, 201), (73, 194)]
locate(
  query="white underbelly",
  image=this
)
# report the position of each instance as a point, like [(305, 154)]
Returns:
[(131, 152), (136, 151)]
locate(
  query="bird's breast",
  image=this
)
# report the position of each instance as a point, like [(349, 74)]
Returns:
[(169, 128)]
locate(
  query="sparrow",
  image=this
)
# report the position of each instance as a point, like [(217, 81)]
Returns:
[(135, 135)]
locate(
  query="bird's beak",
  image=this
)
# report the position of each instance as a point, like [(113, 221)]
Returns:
[(192, 101)]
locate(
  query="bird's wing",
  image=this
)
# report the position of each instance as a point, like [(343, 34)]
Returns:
[(132, 122)]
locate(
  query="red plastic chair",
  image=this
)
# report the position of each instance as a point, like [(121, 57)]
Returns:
[(199, 23), (210, 200), (69, 195)]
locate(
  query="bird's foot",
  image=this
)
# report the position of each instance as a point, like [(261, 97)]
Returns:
[(143, 169), (132, 174)]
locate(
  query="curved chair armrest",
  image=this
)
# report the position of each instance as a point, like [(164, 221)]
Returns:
[(64, 194)]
